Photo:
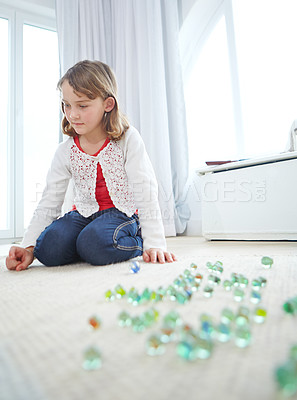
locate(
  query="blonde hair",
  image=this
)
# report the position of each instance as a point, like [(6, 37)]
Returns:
[(95, 79)]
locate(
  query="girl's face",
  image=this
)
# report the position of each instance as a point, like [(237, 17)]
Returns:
[(84, 114)]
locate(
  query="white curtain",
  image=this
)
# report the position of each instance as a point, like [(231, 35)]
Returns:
[(139, 40)]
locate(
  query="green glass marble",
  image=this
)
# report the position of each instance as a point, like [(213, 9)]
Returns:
[(187, 331), (263, 281), (124, 319), (218, 268), (255, 297), (109, 295), (243, 281), (160, 293), (177, 282), (267, 262), (286, 377), (218, 263), (243, 336), (167, 334), (171, 292), (203, 348), (227, 285), (208, 291), (138, 324), (150, 316), (133, 296), (182, 297), (185, 350), (223, 332), (195, 286), (293, 353), (187, 272), (154, 296), (190, 282), (155, 346), (227, 316), (145, 296), (242, 317), (209, 266), (256, 284), (242, 320), (214, 280), (172, 319), (238, 294), (260, 315), (182, 284), (235, 279), (92, 359), (290, 306), (120, 291), (193, 266)]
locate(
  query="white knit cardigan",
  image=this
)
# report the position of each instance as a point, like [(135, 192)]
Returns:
[(130, 181)]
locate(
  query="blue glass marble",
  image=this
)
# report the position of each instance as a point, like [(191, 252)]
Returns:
[(134, 267), (255, 297), (223, 332)]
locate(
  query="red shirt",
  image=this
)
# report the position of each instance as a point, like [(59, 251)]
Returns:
[(101, 191)]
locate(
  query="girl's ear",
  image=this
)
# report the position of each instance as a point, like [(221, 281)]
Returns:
[(109, 104)]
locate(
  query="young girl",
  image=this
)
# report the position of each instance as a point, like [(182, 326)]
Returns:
[(116, 215)]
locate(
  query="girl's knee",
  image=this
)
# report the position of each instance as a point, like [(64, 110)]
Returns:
[(54, 248), (101, 243), (90, 245), (102, 249)]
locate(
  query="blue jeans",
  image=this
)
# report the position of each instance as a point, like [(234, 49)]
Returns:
[(106, 237)]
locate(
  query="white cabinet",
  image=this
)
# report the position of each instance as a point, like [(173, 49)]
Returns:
[(250, 199)]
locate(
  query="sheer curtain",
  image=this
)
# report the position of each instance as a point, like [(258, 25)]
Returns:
[(138, 39), (195, 29)]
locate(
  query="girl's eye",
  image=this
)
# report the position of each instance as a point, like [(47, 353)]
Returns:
[(66, 105), (82, 106)]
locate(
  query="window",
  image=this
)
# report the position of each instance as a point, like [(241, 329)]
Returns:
[(209, 103), (267, 65), (41, 111), (29, 114), (4, 150), (240, 92)]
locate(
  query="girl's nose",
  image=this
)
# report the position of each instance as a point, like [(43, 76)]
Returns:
[(74, 114)]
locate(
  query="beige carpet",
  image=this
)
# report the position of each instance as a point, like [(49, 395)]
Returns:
[(44, 329)]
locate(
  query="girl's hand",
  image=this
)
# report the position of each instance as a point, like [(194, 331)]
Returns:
[(19, 258), (158, 255)]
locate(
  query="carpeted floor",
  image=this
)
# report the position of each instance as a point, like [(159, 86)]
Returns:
[(44, 329)]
